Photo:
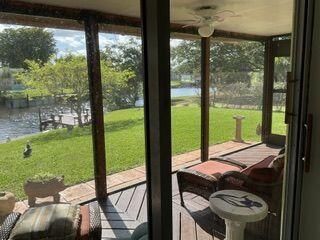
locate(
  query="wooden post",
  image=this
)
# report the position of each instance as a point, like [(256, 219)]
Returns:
[(205, 97), (40, 120), (95, 88), (156, 51), (267, 91)]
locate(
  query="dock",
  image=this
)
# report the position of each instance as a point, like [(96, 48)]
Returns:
[(64, 120)]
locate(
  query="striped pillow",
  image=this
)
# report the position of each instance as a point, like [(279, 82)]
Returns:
[(52, 222)]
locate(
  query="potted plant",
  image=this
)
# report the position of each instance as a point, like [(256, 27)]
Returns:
[(7, 202), (44, 185)]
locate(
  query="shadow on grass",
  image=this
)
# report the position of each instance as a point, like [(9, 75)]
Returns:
[(115, 126), (63, 134)]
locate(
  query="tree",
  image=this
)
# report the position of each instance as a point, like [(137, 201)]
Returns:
[(230, 62), (127, 56), (281, 67), (26, 43), (186, 57), (232, 66), (117, 87), (67, 80)]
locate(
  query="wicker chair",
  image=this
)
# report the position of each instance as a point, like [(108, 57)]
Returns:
[(225, 173)]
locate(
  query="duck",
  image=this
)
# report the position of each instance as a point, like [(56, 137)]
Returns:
[(27, 151)]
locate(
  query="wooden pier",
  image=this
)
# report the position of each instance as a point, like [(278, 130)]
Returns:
[(63, 120)]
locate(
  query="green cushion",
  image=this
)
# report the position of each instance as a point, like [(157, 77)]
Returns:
[(52, 222)]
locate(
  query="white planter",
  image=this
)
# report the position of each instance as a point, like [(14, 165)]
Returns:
[(7, 202)]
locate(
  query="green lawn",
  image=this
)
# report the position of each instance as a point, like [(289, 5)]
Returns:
[(70, 154)]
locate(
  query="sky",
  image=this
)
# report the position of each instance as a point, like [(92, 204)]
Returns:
[(74, 41)]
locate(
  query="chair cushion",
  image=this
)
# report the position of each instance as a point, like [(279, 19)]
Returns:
[(278, 163), (84, 230), (266, 175), (214, 168), (55, 221), (262, 164)]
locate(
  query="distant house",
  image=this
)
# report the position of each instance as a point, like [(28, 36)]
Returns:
[(184, 77)]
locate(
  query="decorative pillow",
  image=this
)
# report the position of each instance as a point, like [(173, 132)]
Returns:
[(52, 222), (278, 163), (267, 175), (7, 224)]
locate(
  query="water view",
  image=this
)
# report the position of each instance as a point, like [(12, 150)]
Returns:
[(16, 123)]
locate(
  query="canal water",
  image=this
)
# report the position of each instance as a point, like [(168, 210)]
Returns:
[(16, 123)]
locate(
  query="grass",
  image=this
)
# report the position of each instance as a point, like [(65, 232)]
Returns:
[(70, 154)]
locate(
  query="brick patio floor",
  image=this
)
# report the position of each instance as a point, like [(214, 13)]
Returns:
[(86, 191)]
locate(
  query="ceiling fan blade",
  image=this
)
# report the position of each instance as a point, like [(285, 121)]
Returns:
[(184, 21), (189, 22), (222, 15), (188, 25)]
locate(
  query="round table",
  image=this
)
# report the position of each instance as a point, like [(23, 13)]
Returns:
[(237, 208)]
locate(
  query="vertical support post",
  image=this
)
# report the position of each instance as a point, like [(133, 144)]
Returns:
[(205, 97), (267, 91), (95, 92), (157, 105)]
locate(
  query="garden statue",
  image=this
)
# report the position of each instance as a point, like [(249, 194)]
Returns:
[(27, 151)]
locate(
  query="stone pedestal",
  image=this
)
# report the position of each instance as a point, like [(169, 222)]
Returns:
[(234, 230), (237, 208), (238, 135)]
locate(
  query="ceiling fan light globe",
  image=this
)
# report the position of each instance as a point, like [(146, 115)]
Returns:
[(205, 31)]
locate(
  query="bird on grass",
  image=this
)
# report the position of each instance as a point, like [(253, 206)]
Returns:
[(27, 151)]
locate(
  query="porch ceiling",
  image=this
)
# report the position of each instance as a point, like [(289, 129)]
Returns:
[(256, 17)]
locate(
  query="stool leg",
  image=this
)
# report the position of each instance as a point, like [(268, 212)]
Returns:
[(181, 199)]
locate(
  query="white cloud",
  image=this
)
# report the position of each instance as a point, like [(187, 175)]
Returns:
[(81, 51), (6, 26), (73, 42), (175, 42)]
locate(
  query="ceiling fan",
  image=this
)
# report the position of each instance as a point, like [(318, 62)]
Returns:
[(206, 18)]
